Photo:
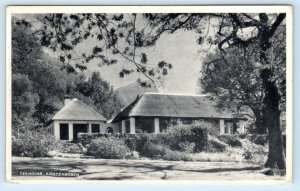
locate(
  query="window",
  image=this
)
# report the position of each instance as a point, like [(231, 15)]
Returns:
[(95, 128), (127, 126), (109, 130), (120, 127)]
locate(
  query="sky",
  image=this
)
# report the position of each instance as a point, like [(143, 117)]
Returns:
[(180, 49)]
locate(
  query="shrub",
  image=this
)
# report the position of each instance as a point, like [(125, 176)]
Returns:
[(200, 138), (215, 145), (146, 147), (254, 152), (248, 155), (34, 144), (154, 150), (187, 147), (162, 138), (231, 140), (141, 142), (260, 139), (243, 135), (131, 143), (178, 134), (197, 134), (176, 156), (108, 147), (86, 138)]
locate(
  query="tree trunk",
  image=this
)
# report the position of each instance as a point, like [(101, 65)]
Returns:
[(272, 97), (260, 123), (276, 156)]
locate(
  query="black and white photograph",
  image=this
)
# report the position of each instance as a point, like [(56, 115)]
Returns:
[(101, 94)]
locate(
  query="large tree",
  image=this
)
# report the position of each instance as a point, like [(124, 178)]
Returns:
[(234, 77), (39, 71), (24, 100), (230, 29), (121, 36)]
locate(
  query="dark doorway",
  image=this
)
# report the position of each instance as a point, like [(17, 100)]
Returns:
[(64, 131), (95, 128), (79, 128)]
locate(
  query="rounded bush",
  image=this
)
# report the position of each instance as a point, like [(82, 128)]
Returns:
[(187, 147), (108, 148), (231, 140), (131, 143), (215, 145), (154, 150), (34, 144), (197, 134)]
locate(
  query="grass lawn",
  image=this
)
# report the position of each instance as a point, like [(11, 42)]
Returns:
[(111, 169)]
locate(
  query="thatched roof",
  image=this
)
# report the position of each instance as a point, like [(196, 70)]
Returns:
[(127, 94), (77, 110), (181, 106)]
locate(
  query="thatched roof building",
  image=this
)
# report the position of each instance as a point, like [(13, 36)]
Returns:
[(77, 110), (150, 111), (178, 106), (128, 93), (77, 117)]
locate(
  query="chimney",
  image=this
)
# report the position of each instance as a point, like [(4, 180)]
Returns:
[(67, 99)]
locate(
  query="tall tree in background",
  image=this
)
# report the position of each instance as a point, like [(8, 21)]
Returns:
[(121, 37), (26, 49), (102, 94), (24, 101), (29, 61)]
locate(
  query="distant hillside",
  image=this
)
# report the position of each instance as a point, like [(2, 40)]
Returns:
[(127, 94)]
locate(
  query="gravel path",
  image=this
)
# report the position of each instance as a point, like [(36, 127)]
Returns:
[(103, 169)]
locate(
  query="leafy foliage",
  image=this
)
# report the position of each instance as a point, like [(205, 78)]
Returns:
[(234, 78), (24, 101), (107, 147), (231, 140), (215, 145), (102, 94), (114, 34), (197, 134), (34, 144)]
